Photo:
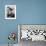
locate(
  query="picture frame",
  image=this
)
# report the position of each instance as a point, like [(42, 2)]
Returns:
[(10, 11)]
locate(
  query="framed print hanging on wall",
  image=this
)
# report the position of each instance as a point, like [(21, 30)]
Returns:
[(10, 11)]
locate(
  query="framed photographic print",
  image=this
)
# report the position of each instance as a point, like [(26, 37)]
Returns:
[(10, 11)]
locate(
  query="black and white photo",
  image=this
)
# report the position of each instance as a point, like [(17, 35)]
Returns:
[(10, 11)]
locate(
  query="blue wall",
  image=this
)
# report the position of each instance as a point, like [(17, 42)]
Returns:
[(27, 12)]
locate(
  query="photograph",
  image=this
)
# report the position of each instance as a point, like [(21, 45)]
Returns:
[(10, 11)]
